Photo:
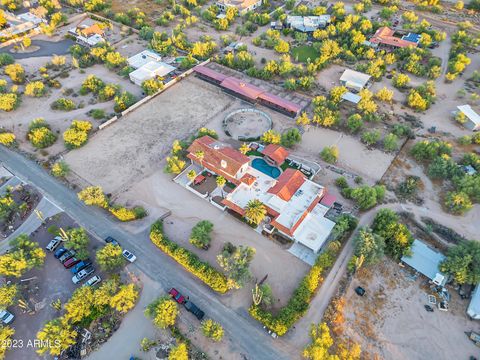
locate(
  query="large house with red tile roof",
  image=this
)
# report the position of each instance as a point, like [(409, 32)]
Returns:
[(384, 37), (293, 202)]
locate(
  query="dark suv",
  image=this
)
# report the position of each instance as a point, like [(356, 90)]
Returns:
[(194, 310)]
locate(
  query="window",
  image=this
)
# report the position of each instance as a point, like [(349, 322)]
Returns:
[(223, 164)]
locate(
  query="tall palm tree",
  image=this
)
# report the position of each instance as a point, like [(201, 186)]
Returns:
[(221, 181), (255, 211), (200, 156), (244, 149)]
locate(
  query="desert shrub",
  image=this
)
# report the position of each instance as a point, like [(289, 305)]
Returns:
[(203, 270), (6, 59), (7, 138), (77, 134), (124, 101), (9, 101), (329, 154), (60, 169), (152, 86), (125, 214), (40, 135), (63, 104)]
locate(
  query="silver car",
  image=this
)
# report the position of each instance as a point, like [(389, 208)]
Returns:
[(94, 280), (82, 274)]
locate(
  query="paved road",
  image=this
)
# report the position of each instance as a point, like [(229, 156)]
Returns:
[(246, 333), (47, 48)]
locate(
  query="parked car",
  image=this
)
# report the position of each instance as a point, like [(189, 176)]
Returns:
[(80, 266), (6, 317), (360, 291), (71, 262), (194, 310), (53, 244), (111, 240), (67, 255), (60, 252), (83, 274), (428, 308), (94, 280), (129, 256), (179, 298)]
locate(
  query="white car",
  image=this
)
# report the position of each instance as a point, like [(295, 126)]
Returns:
[(6, 317), (129, 256), (82, 274), (94, 280), (53, 244)]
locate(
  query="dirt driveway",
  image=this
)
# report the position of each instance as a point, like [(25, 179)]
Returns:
[(390, 320)]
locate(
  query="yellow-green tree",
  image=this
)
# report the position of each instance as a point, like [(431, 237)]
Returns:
[(35, 89), (179, 352), (366, 103), (163, 311), (56, 336), (212, 330), (271, 137), (303, 119), (93, 195), (7, 138), (255, 211), (80, 304), (60, 169), (8, 295), (322, 341), (16, 73), (401, 80), (110, 257), (175, 165), (384, 94), (125, 298), (244, 148), (416, 101), (9, 101), (6, 334)]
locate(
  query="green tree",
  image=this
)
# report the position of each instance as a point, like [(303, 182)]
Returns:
[(390, 142), (369, 245), (56, 336), (398, 239), (200, 236), (212, 330), (78, 240), (457, 202), (235, 261), (163, 311), (367, 197), (110, 257), (371, 137), (255, 211), (354, 123), (463, 262), (330, 154), (291, 137)]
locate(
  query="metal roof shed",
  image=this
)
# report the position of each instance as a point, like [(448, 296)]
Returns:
[(354, 79), (473, 309), (473, 119), (426, 261)]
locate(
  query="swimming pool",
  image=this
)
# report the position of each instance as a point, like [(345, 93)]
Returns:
[(262, 166)]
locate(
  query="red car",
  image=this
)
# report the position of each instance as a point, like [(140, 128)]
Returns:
[(71, 262), (179, 298)]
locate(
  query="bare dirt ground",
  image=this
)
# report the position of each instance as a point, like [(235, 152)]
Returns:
[(187, 209), (32, 108), (390, 320), (131, 148)]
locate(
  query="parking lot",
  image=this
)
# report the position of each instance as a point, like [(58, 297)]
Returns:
[(41, 286)]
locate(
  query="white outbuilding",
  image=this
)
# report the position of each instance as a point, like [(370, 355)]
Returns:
[(471, 117), (354, 80), (149, 71)]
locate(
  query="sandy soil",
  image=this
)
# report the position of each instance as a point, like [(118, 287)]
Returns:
[(130, 149), (354, 156), (187, 209), (32, 108), (390, 320)]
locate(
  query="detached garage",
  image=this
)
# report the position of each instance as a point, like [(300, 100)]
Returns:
[(149, 71)]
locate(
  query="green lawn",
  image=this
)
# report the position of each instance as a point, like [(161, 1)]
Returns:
[(304, 52)]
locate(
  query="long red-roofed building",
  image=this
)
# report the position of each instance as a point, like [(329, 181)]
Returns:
[(247, 91)]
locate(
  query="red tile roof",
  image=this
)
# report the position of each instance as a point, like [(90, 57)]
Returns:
[(218, 155), (248, 179), (93, 29), (241, 88), (214, 75), (278, 101), (328, 199), (275, 152), (287, 184), (247, 90), (384, 35)]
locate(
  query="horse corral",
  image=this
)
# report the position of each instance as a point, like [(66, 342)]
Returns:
[(246, 124)]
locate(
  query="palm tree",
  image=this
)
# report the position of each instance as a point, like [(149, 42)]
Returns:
[(200, 155), (255, 211), (221, 183), (191, 175), (244, 149)]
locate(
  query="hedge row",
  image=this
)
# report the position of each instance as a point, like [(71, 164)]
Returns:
[(203, 270), (298, 304)]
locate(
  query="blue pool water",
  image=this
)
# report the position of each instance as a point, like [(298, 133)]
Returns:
[(262, 166)]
